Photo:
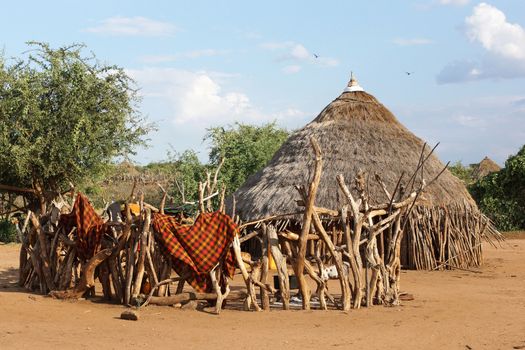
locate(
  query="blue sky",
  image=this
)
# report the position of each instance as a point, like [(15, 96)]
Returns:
[(205, 63)]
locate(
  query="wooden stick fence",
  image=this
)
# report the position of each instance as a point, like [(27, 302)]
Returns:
[(359, 244)]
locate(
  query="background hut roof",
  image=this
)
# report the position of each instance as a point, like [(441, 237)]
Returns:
[(355, 133), (485, 167)]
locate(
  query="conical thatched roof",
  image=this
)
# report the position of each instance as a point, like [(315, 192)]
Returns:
[(355, 132), (485, 167)]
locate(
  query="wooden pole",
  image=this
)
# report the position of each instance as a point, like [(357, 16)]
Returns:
[(46, 269), (307, 220), (142, 254), (282, 269), (265, 299)]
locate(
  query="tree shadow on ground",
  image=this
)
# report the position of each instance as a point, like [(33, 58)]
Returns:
[(9, 280)]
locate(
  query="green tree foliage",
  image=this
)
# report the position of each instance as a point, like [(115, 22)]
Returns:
[(245, 148), (186, 171), (462, 172), (501, 195), (7, 231), (63, 117)]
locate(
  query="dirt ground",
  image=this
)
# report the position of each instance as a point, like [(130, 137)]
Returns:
[(451, 310)]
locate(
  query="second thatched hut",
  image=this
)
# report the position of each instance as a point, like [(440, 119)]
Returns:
[(485, 167)]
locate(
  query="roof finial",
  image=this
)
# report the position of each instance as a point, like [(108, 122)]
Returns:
[(353, 84)]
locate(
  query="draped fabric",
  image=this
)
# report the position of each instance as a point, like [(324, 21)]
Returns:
[(89, 227), (196, 249)]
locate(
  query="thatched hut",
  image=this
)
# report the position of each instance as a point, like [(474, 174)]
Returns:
[(484, 168), (358, 133)]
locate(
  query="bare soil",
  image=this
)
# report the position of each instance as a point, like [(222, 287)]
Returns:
[(451, 310)]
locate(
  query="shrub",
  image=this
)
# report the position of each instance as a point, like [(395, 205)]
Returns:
[(7, 231), (501, 195)]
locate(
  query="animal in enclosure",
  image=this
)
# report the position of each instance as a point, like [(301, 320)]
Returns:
[(330, 272)]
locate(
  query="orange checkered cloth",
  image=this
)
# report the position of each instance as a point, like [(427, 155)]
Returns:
[(90, 227), (199, 247)]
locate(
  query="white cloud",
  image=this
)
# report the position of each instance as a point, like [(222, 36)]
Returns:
[(292, 69), (454, 2), (411, 42), (276, 45), (133, 26), (504, 45), (470, 121), (327, 61), (200, 99), (489, 27), (194, 97), (299, 52), (288, 113), (520, 103), (153, 59), (290, 51)]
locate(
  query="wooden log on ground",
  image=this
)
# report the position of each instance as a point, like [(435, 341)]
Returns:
[(88, 277), (187, 296)]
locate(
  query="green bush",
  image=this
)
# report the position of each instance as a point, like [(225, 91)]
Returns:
[(7, 231), (501, 195), (462, 172)]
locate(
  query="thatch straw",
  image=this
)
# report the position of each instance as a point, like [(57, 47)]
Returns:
[(485, 167), (355, 133)]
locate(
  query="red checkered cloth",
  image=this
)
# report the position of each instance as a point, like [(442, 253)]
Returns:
[(90, 227), (196, 249)]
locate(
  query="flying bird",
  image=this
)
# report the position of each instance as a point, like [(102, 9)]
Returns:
[(409, 73), (316, 55)]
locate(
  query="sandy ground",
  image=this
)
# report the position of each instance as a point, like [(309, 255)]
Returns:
[(451, 310)]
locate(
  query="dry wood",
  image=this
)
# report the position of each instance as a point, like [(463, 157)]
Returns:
[(249, 283), (187, 296), (307, 219), (248, 236), (280, 262), (16, 189), (295, 237), (46, 268), (265, 299), (201, 197), (142, 254), (130, 267), (215, 276), (221, 200), (343, 277), (88, 277), (105, 280)]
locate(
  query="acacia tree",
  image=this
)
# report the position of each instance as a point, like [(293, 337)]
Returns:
[(245, 148), (63, 117)]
